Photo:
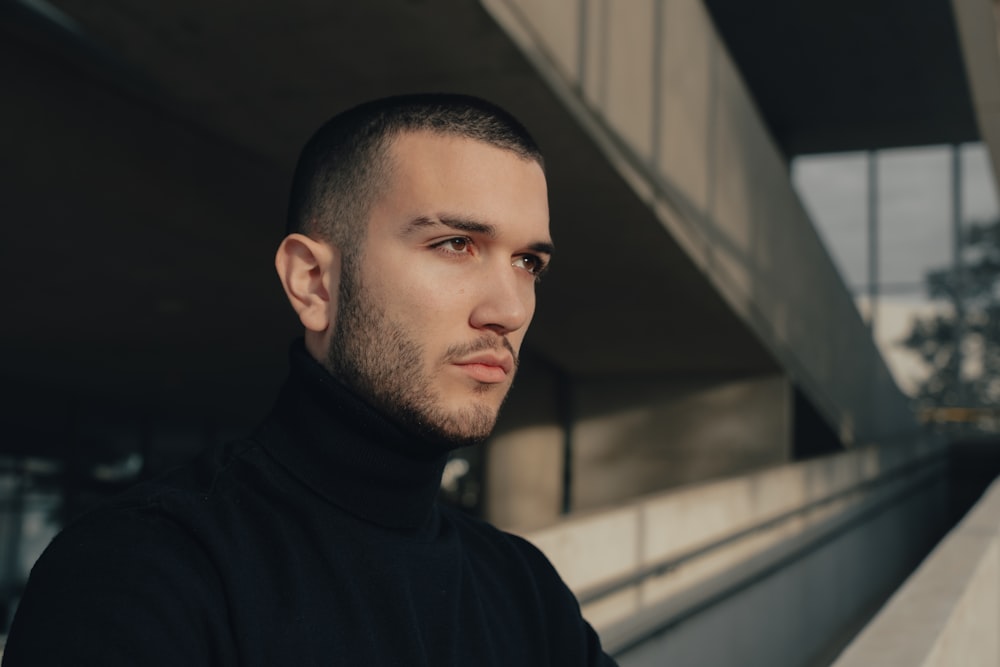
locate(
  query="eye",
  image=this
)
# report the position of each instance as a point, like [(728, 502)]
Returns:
[(457, 245), (533, 264)]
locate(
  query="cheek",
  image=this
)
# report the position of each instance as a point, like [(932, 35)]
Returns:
[(437, 312), (529, 301)]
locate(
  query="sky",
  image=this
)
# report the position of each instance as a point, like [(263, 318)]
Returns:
[(914, 210), (915, 228)]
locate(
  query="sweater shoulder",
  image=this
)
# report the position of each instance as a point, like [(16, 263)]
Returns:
[(155, 532), (130, 569), (208, 475)]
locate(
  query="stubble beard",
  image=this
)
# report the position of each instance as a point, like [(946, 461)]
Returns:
[(373, 356)]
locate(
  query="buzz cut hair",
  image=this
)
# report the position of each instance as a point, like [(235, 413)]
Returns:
[(345, 166)]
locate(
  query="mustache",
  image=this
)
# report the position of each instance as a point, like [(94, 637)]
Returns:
[(461, 350)]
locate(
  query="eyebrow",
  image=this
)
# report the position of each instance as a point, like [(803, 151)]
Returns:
[(471, 227), (461, 224), (542, 247)]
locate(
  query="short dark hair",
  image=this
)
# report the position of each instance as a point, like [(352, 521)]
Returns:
[(343, 167)]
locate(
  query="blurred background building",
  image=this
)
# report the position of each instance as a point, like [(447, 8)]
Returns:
[(719, 433)]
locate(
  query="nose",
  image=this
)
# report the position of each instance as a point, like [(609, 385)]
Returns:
[(505, 301)]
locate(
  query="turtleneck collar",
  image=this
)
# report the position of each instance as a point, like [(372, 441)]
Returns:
[(344, 450)]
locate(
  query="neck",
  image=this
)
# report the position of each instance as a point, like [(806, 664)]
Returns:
[(349, 453)]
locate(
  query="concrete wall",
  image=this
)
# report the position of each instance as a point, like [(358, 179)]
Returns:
[(978, 24), (779, 563), (948, 613), (633, 436), (655, 88), (628, 437), (656, 91), (524, 458)]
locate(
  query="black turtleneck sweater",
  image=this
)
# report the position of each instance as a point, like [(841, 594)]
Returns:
[(318, 541)]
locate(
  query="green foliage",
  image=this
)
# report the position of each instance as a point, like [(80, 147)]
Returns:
[(974, 297)]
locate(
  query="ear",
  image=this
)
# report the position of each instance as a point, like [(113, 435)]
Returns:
[(309, 271)]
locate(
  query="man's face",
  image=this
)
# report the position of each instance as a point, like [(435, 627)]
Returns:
[(434, 305)]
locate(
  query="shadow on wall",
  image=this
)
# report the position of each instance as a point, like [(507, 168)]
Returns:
[(639, 435), (570, 444)]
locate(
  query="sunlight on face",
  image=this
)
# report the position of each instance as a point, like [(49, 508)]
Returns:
[(434, 305)]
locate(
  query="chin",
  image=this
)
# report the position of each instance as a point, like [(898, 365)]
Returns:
[(469, 425)]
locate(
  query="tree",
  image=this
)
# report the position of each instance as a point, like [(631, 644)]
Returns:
[(973, 320)]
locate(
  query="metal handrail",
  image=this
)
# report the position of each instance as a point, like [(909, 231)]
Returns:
[(658, 618), (604, 589)]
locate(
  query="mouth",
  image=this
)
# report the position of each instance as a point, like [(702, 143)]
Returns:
[(489, 368)]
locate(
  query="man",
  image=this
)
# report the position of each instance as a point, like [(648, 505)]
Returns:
[(418, 228)]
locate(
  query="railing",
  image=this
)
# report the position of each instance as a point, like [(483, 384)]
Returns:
[(641, 569), (867, 502), (915, 473)]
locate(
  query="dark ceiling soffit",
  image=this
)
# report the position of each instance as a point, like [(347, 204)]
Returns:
[(853, 75), (46, 25)]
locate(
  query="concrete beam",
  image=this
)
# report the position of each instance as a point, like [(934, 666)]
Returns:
[(977, 29)]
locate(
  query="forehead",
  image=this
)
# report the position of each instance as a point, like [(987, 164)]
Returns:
[(430, 173)]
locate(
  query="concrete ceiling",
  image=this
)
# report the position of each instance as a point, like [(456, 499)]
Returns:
[(143, 194)]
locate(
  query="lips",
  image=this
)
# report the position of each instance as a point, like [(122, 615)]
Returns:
[(489, 367), (504, 361)]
